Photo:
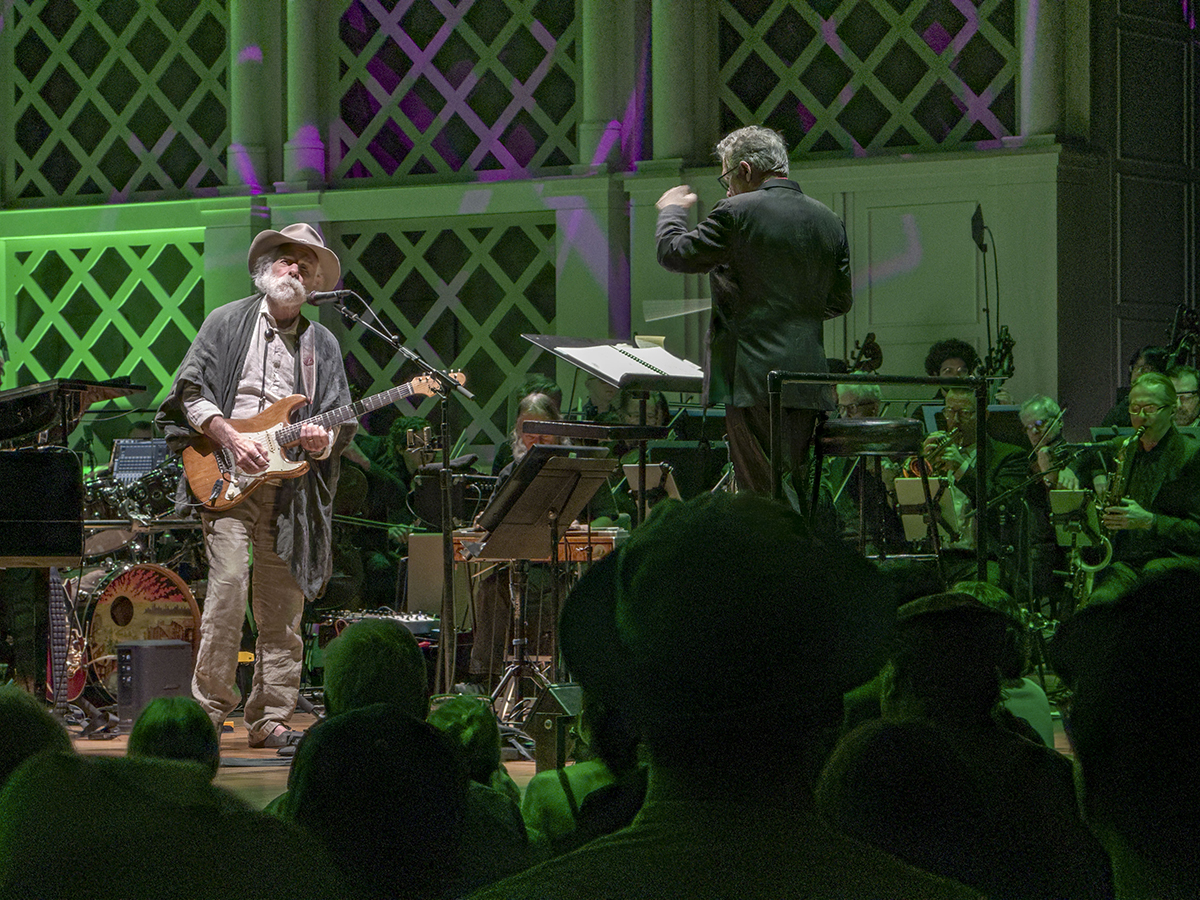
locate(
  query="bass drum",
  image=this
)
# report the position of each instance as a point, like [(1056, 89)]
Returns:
[(138, 603)]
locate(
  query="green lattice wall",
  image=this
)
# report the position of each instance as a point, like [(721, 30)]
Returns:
[(94, 307), (859, 75), (127, 101), (434, 88), (116, 99), (460, 296)]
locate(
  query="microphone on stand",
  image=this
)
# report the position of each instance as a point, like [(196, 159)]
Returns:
[(317, 298), (977, 228)]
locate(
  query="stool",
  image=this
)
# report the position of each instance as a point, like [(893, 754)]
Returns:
[(878, 439)]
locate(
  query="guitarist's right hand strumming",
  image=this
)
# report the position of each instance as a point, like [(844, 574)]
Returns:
[(250, 455)]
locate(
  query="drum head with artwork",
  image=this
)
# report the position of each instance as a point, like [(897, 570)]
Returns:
[(142, 603)]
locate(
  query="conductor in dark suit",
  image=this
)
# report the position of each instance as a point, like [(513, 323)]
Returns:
[(778, 266)]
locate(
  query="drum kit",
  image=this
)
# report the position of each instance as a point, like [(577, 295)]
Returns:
[(142, 569)]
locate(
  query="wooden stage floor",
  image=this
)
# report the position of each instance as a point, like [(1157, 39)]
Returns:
[(257, 776)]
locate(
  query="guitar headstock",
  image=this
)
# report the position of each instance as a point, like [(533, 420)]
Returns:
[(427, 385)]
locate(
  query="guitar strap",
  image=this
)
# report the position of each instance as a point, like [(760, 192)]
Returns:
[(307, 356)]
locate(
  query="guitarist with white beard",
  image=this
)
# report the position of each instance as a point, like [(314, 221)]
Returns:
[(248, 355)]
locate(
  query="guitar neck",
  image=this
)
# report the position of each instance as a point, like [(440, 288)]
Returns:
[(290, 434)]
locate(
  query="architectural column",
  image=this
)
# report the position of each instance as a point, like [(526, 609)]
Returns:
[(1041, 32), (254, 94), (683, 77), (614, 68), (304, 152)]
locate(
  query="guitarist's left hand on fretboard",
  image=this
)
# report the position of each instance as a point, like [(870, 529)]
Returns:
[(314, 440)]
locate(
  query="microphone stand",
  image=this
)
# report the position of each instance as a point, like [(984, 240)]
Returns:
[(447, 635)]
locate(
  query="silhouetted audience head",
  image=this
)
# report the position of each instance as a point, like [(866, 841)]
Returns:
[(656, 620), (163, 832), (386, 794), (1014, 651), (606, 728), (900, 786), (470, 722), (376, 661), (176, 728), (26, 728), (1133, 667), (944, 660)]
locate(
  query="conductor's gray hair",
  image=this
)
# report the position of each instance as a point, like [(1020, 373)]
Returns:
[(763, 148)]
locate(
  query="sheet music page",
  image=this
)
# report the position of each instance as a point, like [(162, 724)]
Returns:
[(623, 359)]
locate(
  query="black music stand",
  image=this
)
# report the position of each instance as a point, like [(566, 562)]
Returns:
[(551, 484), (624, 366)]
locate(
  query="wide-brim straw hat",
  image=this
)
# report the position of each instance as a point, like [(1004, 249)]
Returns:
[(328, 266)]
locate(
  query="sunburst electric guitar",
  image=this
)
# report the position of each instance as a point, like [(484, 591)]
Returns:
[(212, 471)]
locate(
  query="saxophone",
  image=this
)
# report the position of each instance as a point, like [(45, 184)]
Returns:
[(1085, 572)]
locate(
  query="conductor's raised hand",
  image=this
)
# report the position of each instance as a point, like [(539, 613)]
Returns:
[(677, 196)]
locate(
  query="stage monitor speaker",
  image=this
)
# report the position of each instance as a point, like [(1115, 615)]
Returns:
[(147, 670), (554, 711), (41, 509)]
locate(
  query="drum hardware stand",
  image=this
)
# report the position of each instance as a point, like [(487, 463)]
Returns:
[(447, 636), (511, 709)]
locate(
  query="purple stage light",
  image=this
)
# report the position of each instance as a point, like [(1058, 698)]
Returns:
[(1029, 56), (937, 37), (831, 38), (308, 149), (250, 53), (905, 261), (807, 118), (239, 158)]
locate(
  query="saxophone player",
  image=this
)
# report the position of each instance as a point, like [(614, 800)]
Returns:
[(1155, 520)]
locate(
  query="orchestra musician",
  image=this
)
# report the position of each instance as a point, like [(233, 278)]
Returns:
[(1041, 418), (248, 355), (492, 598), (953, 453), (1147, 359), (1187, 385), (1156, 519), (779, 265)]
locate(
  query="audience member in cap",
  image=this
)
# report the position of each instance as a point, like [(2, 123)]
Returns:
[(160, 831), (176, 728), (386, 795), (1021, 697), (942, 671), (733, 732), (496, 842), (26, 728), (1133, 666)]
